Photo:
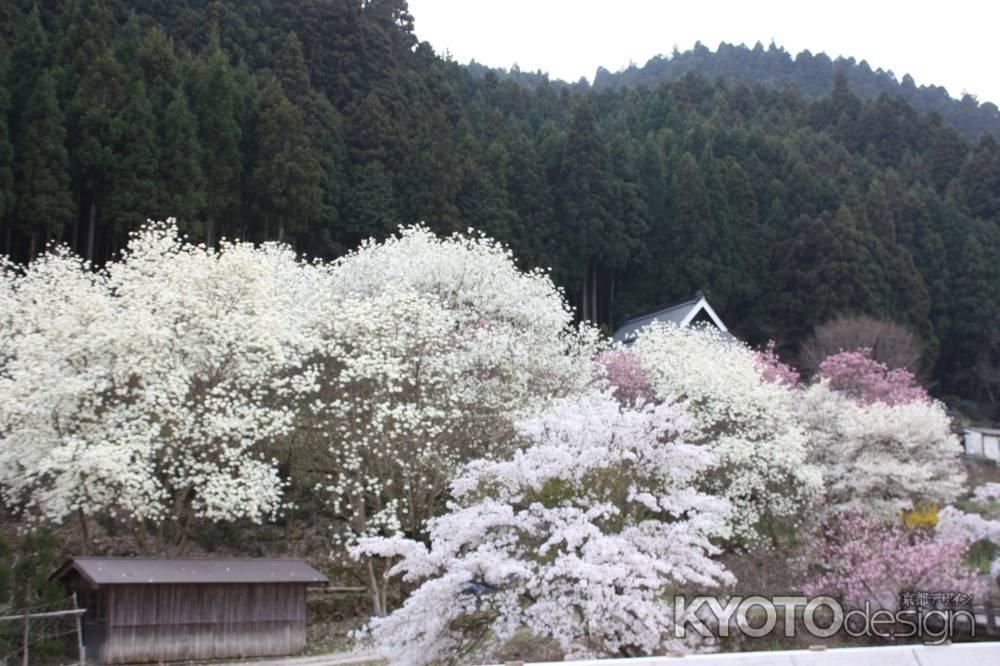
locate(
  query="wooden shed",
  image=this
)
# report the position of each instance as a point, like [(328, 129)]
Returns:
[(152, 610)]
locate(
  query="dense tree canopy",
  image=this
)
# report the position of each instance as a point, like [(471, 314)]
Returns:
[(324, 122)]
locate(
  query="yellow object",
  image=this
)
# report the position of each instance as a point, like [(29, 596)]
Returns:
[(921, 516)]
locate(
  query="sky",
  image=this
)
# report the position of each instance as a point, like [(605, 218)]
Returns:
[(952, 43)]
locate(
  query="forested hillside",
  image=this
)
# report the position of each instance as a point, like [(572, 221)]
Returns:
[(812, 74), (322, 122)]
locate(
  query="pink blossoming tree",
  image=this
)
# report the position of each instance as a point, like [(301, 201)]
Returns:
[(625, 374), (866, 559), (775, 370), (868, 381)]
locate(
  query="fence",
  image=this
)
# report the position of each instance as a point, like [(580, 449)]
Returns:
[(42, 633)]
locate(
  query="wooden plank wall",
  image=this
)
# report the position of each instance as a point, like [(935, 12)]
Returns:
[(180, 622)]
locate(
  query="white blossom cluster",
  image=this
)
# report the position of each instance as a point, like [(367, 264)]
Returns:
[(427, 351), (749, 423), (581, 537), (174, 383), (143, 390), (882, 458), (981, 524)]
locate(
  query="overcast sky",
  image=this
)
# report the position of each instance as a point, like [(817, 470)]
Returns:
[(952, 43)]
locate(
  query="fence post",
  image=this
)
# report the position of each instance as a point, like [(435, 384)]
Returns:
[(27, 615), (81, 650)]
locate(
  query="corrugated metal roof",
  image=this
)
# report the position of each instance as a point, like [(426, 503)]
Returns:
[(142, 570)]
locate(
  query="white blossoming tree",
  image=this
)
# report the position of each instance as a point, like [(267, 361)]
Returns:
[(980, 525), (426, 351), (581, 537), (144, 390), (748, 422), (879, 457)]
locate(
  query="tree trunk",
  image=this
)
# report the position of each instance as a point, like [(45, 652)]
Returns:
[(84, 531), (92, 229), (76, 227), (595, 315), (611, 300), (378, 601)]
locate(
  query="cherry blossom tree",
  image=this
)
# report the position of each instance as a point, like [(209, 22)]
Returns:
[(884, 458), (979, 525), (748, 422), (625, 374), (580, 537), (867, 381), (775, 370), (869, 559), (144, 390), (890, 343)]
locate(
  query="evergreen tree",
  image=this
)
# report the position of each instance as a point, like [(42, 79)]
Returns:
[(182, 179), (981, 179), (134, 195), (28, 59), (947, 154), (827, 259), (44, 204), (593, 238), (220, 133), (974, 350), (291, 72), (159, 68), (95, 131), (83, 35), (287, 177), (370, 206), (691, 229)]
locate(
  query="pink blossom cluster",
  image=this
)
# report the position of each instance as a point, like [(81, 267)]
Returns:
[(775, 370), (868, 381), (867, 559), (626, 375)]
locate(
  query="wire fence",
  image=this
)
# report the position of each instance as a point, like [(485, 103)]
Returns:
[(42, 634)]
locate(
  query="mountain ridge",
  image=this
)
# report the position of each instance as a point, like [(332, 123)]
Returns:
[(774, 66)]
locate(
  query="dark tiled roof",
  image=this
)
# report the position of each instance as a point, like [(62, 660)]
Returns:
[(142, 570), (676, 312), (679, 304)]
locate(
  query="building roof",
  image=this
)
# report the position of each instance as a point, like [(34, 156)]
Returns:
[(148, 570), (681, 312), (983, 431)]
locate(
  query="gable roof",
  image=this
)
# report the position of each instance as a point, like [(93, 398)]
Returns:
[(681, 312), (148, 570)]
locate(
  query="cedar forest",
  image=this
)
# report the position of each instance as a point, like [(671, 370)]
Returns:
[(789, 189)]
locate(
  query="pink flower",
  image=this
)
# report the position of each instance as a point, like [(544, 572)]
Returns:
[(867, 559), (867, 381), (626, 374), (776, 371)]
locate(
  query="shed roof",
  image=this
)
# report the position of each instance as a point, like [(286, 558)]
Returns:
[(148, 570), (983, 431), (681, 312)]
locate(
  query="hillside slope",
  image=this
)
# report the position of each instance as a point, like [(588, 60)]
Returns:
[(323, 122), (812, 74)]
